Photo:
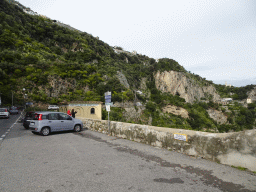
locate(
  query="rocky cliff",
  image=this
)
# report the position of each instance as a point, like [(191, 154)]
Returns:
[(123, 79), (217, 116), (252, 94), (178, 83), (176, 111)]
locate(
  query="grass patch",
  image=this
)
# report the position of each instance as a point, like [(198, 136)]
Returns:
[(240, 168)]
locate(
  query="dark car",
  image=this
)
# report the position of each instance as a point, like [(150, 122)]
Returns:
[(14, 110), (27, 118)]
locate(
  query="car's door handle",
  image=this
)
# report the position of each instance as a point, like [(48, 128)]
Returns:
[(62, 121), (50, 121)]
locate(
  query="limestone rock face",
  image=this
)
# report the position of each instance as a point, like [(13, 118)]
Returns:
[(132, 114), (252, 94), (143, 84), (123, 79), (177, 83), (59, 86), (176, 111), (217, 116)]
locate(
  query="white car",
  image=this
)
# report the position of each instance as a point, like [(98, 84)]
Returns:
[(4, 113), (53, 107)]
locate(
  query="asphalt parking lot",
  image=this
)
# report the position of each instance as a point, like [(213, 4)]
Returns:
[(91, 161)]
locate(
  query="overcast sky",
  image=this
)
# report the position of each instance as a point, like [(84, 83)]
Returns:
[(212, 38)]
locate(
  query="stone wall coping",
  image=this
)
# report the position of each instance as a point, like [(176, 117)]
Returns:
[(174, 130)]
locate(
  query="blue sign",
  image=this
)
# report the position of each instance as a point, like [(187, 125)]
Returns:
[(108, 97), (108, 101)]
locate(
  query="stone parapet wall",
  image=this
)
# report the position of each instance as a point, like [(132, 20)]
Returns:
[(237, 149)]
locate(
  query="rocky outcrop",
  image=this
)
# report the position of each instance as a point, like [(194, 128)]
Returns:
[(217, 116), (177, 83), (131, 113), (176, 111), (59, 86), (122, 79), (143, 84), (252, 95)]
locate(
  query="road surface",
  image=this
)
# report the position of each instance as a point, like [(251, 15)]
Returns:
[(6, 124), (91, 161)]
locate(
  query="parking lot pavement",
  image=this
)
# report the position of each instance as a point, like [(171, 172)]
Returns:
[(7, 124), (91, 161)]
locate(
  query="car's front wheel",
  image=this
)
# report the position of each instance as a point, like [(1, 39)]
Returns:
[(45, 131), (77, 128)]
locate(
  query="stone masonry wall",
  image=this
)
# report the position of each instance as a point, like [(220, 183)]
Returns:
[(237, 149)]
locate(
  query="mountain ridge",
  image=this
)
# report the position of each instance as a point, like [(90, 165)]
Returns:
[(57, 65)]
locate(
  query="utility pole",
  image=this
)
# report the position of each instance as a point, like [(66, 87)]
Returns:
[(12, 98), (24, 97), (108, 103)]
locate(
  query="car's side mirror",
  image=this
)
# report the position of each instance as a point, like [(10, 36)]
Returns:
[(69, 118)]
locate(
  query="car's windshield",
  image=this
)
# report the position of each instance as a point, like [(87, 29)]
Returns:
[(13, 108), (2, 110)]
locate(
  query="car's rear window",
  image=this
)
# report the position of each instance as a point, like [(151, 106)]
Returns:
[(14, 108), (2, 110), (36, 116)]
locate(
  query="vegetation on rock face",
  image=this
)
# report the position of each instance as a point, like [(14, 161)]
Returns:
[(35, 51), (237, 93)]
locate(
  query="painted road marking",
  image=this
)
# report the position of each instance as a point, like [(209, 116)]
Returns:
[(3, 136)]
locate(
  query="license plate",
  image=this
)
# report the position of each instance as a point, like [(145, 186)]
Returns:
[(32, 123)]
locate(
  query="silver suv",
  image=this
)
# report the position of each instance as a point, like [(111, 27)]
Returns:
[(45, 122)]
